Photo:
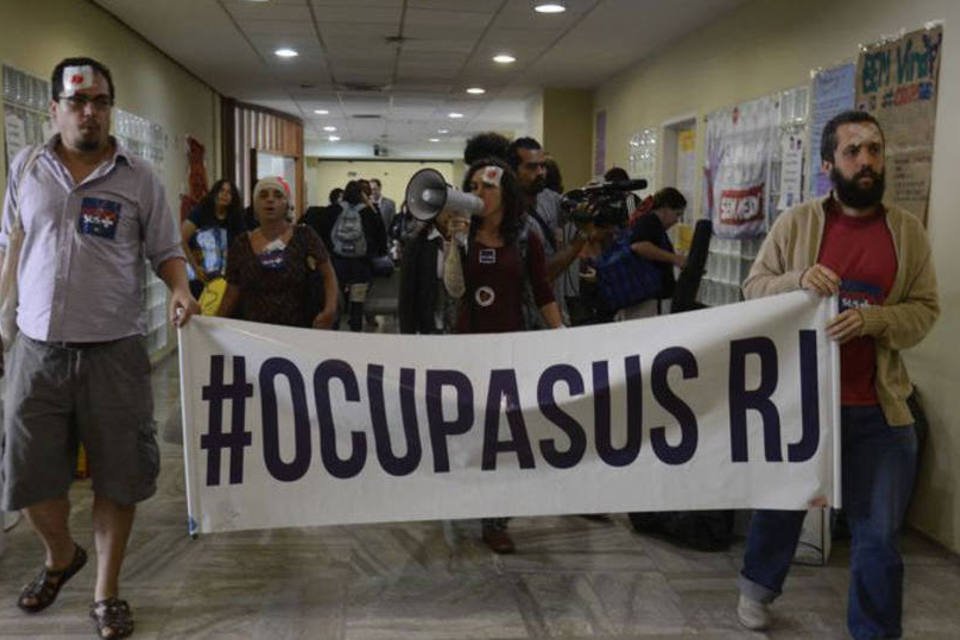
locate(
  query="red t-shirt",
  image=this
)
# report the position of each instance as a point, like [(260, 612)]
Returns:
[(861, 252), (493, 302)]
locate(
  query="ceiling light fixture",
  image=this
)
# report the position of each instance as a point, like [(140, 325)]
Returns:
[(286, 52), (455, 115), (442, 131), (554, 6), (476, 91), (329, 128), (321, 112), (434, 139), (334, 138), (504, 58)]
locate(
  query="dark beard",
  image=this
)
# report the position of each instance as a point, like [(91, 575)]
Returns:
[(536, 186), (88, 145), (852, 194)]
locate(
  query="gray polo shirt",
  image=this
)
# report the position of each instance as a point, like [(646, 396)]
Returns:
[(82, 266)]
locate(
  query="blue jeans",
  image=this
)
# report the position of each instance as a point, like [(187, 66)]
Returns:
[(879, 465)]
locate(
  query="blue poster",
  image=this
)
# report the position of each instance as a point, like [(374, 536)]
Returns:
[(834, 90)]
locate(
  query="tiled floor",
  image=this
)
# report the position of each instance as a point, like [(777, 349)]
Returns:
[(571, 578)]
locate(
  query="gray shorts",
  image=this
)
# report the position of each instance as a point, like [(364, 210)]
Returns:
[(59, 396)]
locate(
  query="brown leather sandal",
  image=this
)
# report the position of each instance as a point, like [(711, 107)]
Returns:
[(112, 617), (45, 587)]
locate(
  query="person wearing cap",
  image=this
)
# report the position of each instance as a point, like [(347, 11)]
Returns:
[(271, 269), (78, 368)]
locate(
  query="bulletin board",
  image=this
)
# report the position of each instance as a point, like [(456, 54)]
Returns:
[(897, 82), (833, 91), (740, 142)]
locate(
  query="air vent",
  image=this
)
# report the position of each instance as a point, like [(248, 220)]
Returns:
[(367, 116)]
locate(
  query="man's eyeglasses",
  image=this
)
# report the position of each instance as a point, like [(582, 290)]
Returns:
[(80, 101)]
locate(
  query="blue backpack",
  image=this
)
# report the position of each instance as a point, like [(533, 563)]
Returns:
[(624, 278)]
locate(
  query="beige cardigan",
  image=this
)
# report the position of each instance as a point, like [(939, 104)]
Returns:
[(903, 320)]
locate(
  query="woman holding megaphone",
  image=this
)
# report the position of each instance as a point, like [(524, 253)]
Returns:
[(503, 277)]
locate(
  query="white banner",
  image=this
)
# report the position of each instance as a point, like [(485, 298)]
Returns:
[(733, 407)]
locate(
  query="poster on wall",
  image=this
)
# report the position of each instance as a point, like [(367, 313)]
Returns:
[(687, 162), (791, 170), (834, 91), (740, 143), (896, 81)]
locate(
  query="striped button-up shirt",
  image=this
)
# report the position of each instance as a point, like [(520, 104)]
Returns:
[(81, 268)]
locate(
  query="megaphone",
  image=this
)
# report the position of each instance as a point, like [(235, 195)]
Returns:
[(428, 194)]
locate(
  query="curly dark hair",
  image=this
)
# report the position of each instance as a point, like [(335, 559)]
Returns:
[(208, 207), (511, 198), (488, 144)]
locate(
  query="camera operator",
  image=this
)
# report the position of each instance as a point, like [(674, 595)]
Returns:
[(649, 240), (619, 174)]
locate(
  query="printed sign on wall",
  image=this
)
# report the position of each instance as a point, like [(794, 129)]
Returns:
[(897, 83)]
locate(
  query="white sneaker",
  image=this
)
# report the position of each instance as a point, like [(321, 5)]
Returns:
[(753, 614)]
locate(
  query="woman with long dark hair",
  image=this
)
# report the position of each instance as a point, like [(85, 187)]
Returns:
[(503, 278), (208, 232), (504, 271)]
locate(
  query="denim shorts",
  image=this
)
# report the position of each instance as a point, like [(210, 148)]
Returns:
[(60, 395)]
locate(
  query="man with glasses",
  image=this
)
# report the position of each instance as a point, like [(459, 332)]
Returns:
[(78, 370)]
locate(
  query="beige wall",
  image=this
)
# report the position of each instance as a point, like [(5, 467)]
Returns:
[(568, 133), (534, 118), (768, 45), (323, 175), (34, 36)]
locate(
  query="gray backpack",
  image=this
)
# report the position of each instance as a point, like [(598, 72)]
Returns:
[(347, 235)]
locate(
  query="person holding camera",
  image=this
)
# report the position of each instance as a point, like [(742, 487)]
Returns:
[(649, 241)]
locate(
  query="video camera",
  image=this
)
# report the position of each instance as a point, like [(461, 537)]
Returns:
[(604, 205)]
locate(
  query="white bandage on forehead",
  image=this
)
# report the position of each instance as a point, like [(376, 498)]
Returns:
[(76, 78), (491, 176)]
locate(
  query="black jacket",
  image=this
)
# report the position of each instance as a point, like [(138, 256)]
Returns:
[(419, 285)]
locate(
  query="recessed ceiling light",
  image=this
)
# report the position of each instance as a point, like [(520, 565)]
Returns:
[(476, 91), (455, 115), (434, 139), (442, 131), (504, 58), (321, 112), (286, 52), (334, 138), (554, 6), (330, 128)]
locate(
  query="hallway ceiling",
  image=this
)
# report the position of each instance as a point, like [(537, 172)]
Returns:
[(390, 71)]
